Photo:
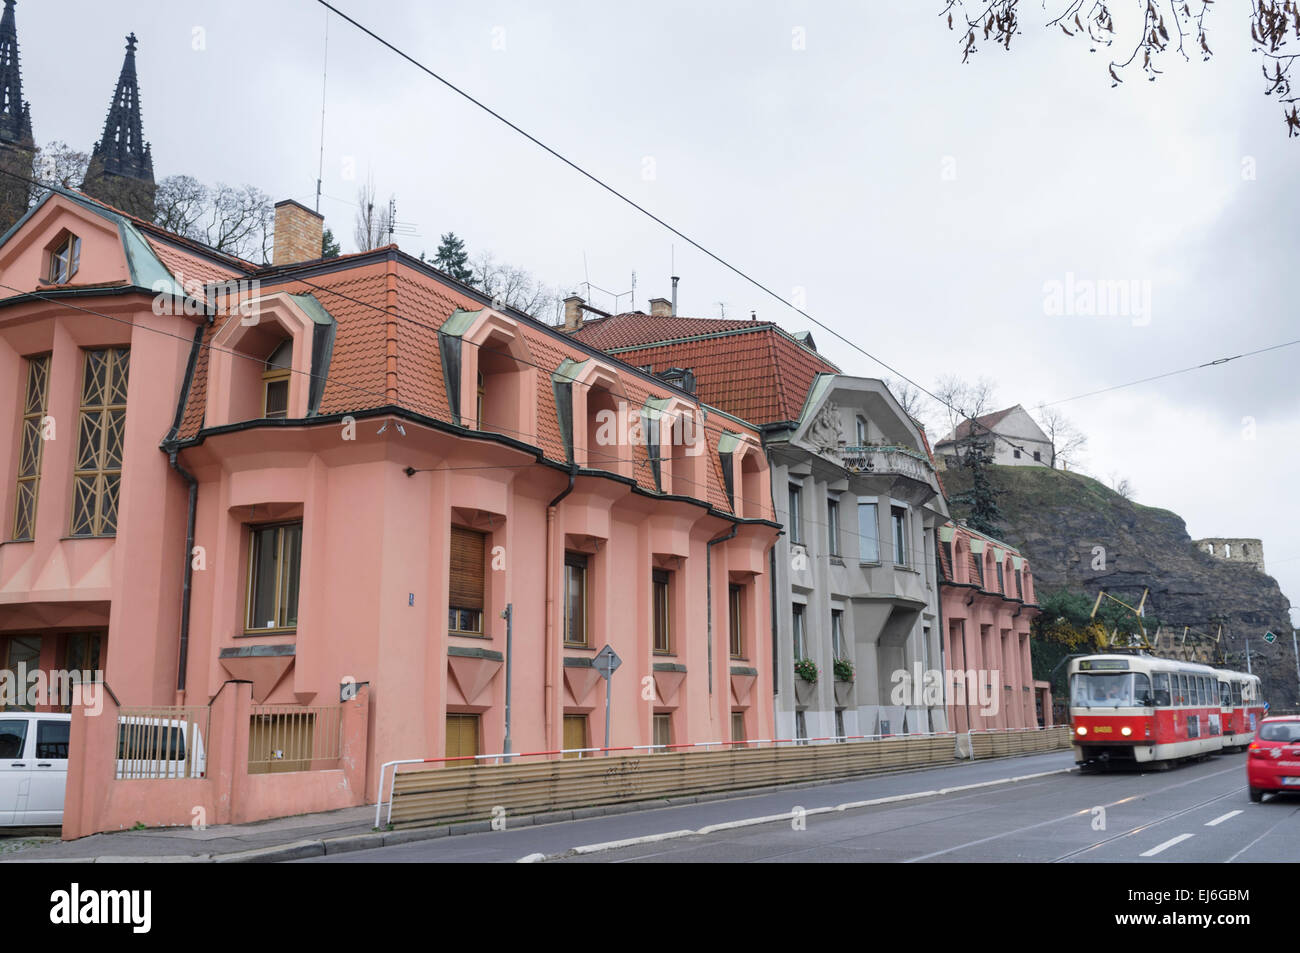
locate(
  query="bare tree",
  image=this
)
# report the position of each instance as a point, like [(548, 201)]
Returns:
[(1068, 441), (1121, 485), (373, 225), (960, 399), (914, 403), (1149, 29), (237, 220), (515, 287), (59, 164)]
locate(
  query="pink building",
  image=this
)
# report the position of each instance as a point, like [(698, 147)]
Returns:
[(988, 603), (323, 497)]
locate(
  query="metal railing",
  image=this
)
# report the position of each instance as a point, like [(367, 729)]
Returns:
[(284, 738), (162, 742)]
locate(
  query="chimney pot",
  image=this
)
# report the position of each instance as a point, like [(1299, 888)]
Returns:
[(299, 234), (573, 313), (661, 307)]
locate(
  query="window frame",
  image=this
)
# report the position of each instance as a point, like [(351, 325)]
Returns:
[(661, 611), (874, 536), (833, 526), (794, 517), (580, 562), (736, 620), (70, 243), (799, 630), (839, 649), (276, 375), (115, 357), (898, 535), (33, 416), (457, 630), (254, 531)]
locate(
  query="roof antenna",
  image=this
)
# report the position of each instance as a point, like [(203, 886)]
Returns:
[(320, 170)]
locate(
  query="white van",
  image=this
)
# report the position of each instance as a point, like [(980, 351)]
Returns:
[(33, 767), (151, 748)]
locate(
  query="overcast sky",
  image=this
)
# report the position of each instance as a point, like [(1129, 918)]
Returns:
[(834, 150)]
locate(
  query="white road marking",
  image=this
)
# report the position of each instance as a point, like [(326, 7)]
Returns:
[(1219, 820), (1166, 845)]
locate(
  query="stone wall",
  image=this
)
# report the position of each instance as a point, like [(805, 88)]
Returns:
[(1237, 550)]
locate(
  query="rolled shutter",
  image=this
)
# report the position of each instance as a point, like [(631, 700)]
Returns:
[(465, 588)]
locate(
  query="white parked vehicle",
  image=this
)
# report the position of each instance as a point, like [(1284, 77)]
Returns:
[(33, 767), (151, 748)]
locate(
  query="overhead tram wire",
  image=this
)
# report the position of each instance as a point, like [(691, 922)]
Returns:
[(697, 245)]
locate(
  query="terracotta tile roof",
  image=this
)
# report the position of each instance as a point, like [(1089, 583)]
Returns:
[(751, 369), (356, 294)]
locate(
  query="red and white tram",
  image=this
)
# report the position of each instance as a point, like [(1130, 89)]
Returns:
[(1138, 708)]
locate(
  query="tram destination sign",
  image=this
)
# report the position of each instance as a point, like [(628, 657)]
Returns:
[(1103, 665)]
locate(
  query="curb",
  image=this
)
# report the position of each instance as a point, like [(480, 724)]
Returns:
[(302, 849)]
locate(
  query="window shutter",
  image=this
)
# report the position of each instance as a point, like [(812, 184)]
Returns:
[(465, 588)]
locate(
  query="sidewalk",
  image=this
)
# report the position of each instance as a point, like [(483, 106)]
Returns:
[(316, 835)]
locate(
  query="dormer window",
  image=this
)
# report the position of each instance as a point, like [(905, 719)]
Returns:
[(275, 381), (65, 258)]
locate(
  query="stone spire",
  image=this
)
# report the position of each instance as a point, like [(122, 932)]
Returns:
[(15, 113), (121, 166)]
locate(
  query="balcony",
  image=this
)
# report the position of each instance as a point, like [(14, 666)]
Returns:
[(896, 461)]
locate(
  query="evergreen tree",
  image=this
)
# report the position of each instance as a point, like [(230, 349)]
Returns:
[(452, 258), (982, 497), (329, 245)]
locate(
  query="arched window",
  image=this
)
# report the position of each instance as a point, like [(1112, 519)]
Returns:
[(275, 381)]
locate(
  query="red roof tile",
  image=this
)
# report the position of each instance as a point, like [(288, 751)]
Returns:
[(750, 369)]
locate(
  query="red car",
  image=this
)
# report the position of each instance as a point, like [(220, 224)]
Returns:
[(1274, 762)]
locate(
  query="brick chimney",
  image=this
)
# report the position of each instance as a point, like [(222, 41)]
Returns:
[(299, 233), (573, 313), (661, 308)]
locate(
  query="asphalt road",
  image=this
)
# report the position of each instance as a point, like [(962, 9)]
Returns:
[(1031, 809)]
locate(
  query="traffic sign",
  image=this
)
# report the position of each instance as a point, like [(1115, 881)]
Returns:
[(606, 662), (1270, 638)]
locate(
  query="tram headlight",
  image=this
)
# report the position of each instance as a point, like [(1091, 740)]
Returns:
[(1082, 730), (1126, 731)]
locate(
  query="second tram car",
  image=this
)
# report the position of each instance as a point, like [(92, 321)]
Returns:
[(1138, 708)]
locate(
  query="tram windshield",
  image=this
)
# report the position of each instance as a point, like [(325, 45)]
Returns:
[(1110, 690)]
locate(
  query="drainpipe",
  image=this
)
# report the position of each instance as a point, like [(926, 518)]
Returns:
[(708, 587), (184, 649), (550, 600), (169, 446)]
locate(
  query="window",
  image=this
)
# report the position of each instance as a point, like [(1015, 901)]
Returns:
[(868, 534), (801, 727), (840, 733), (1015, 454), (952, 567), (1001, 580), (274, 560), (979, 564), (52, 740), (662, 613), (799, 636), (465, 582), (1020, 583), (575, 735), (796, 531), (29, 455), (898, 518), (738, 727), (735, 602), (663, 729), (1038, 455), (837, 634), (862, 432), (478, 402), (462, 740), (275, 382), (65, 259), (82, 652), (13, 738), (575, 599), (833, 527), (100, 436), (1160, 689)]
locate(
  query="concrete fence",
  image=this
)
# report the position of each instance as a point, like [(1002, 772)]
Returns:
[(424, 795), (233, 770)]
